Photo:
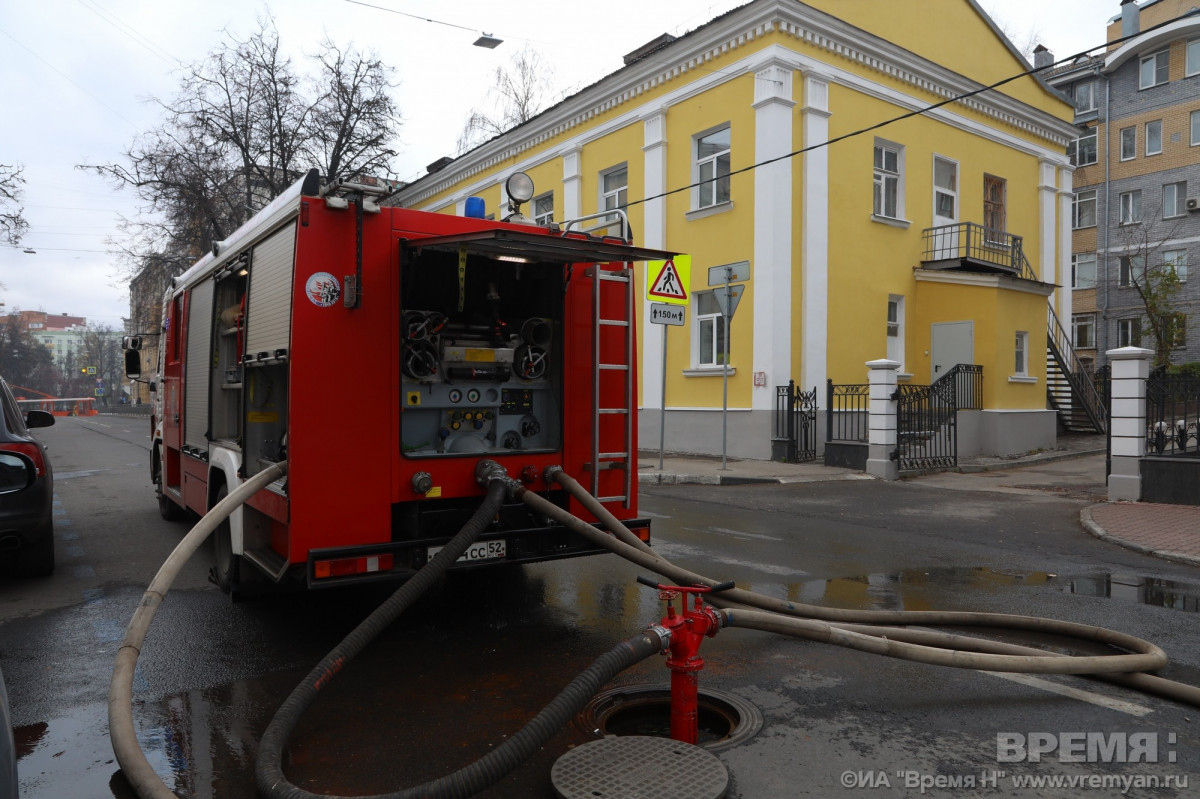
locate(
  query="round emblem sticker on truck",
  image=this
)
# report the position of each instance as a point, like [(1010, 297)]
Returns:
[(323, 289)]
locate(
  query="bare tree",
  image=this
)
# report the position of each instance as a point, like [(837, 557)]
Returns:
[(243, 127), (1154, 273), (519, 92), (12, 215)]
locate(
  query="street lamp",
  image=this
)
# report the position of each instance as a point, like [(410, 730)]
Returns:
[(487, 40)]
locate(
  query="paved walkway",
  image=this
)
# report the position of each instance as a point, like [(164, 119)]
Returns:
[(1166, 531)]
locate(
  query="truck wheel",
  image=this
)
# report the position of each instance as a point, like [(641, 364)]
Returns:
[(37, 559), (166, 508), (225, 564)]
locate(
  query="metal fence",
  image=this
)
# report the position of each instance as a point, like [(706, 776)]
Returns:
[(927, 426), (796, 422), (846, 411), (968, 385), (1173, 414)]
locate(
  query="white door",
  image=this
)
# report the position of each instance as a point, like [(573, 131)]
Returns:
[(945, 209), (951, 343)]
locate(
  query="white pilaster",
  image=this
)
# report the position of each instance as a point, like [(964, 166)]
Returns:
[(654, 150), (772, 274), (1047, 254), (1127, 422), (572, 185), (1066, 196), (814, 232)]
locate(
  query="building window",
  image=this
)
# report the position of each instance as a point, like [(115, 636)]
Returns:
[(614, 191), (1176, 261), (1083, 331), (1128, 143), (1154, 69), (1129, 333), (994, 191), (1085, 97), (1154, 137), (1131, 207), (710, 330), (1083, 209), (1083, 150), (895, 330), (945, 189), (1193, 57), (1133, 268), (1021, 361), (1174, 329), (543, 209), (889, 173), (1083, 270), (712, 168), (1195, 137), (1174, 201)]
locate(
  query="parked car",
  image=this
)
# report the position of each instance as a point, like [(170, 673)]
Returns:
[(8, 750), (26, 492)]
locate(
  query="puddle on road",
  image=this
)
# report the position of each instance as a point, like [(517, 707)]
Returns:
[(916, 589)]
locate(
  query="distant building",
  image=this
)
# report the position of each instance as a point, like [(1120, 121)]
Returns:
[(1137, 178)]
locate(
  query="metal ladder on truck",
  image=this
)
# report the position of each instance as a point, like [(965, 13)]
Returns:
[(612, 289)]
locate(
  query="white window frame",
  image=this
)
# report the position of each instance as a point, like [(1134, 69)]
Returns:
[(1179, 340), (1154, 137), (543, 215), (1021, 354), (883, 177), (1091, 105), (1083, 263), (1192, 59), (1178, 261), (1083, 321), (1074, 149), (1129, 332), (1128, 138), (717, 321), (707, 195), (998, 208), (1127, 267), (1079, 201), (895, 329), (950, 192), (616, 197), (1165, 66), (1174, 201), (1130, 204), (1194, 126)]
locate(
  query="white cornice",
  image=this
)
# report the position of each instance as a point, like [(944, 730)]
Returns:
[(698, 49), (984, 280)]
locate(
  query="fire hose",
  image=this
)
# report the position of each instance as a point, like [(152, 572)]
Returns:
[(878, 632)]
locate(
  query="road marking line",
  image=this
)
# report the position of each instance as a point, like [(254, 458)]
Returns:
[(1074, 693)]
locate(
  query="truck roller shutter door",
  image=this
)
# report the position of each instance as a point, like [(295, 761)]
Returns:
[(269, 313), (198, 366)]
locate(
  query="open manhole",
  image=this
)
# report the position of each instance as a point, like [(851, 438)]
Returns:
[(725, 720)]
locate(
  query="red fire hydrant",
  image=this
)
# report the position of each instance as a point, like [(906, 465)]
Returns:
[(683, 658)]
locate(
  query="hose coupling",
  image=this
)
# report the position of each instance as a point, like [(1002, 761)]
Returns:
[(488, 471), (664, 635), (550, 475)]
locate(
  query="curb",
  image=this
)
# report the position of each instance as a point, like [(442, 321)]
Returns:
[(671, 478), (1089, 524), (1049, 457)]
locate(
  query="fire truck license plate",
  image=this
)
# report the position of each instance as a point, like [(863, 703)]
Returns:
[(480, 550)]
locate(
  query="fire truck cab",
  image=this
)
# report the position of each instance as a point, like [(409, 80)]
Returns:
[(382, 352)]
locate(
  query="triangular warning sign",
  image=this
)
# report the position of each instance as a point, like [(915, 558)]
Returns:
[(668, 285)]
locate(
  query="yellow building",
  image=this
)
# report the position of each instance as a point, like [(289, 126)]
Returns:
[(797, 141)]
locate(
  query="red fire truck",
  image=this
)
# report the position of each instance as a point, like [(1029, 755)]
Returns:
[(382, 352)]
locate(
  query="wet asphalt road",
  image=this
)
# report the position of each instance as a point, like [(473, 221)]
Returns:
[(482, 653)]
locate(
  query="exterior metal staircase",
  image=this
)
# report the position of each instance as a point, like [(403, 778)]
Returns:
[(1069, 388)]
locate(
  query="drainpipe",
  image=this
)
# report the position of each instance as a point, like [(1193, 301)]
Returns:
[(1107, 200)]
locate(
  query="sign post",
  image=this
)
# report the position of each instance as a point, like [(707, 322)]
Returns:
[(667, 282), (727, 298)]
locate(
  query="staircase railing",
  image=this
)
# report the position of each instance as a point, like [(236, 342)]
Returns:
[(1083, 390), (968, 384)]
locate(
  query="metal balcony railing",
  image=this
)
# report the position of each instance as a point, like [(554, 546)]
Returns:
[(974, 244)]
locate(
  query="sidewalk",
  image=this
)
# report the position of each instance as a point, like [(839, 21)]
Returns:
[(1171, 532)]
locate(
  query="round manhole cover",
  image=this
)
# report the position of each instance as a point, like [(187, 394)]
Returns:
[(639, 767), (725, 720)]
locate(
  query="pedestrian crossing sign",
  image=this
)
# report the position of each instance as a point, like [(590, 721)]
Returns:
[(667, 281)]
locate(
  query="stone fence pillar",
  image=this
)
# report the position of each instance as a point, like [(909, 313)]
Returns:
[(1127, 422), (881, 437)]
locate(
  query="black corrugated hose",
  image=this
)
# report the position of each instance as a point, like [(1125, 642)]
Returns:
[(474, 777)]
